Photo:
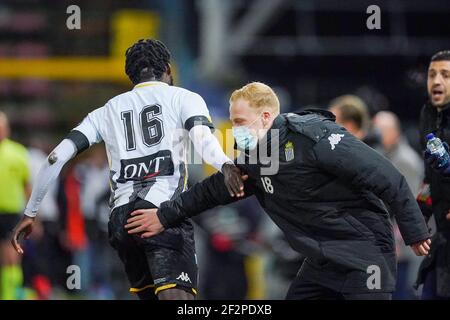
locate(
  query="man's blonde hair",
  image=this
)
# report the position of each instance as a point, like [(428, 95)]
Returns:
[(259, 96)]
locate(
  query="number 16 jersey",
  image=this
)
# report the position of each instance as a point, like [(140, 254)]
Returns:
[(145, 131)]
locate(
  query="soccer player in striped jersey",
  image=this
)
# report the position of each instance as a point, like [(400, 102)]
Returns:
[(146, 133)]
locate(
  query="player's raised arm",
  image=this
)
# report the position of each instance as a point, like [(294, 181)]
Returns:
[(196, 119), (79, 139)]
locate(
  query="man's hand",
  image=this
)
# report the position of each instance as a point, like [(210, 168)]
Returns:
[(433, 161), (421, 248), (448, 215), (144, 221), (234, 180), (22, 230)]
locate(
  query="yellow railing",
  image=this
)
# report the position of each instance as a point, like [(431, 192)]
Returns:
[(127, 26)]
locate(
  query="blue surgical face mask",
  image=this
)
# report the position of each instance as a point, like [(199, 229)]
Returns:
[(245, 140)]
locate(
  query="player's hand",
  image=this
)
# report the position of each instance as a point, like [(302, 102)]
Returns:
[(421, 248), (234, 180), (144, 221), (23, 229), (448, 215)]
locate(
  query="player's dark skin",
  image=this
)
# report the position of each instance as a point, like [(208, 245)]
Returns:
[(175, 294)]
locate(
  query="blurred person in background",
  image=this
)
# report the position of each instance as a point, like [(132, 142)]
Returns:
[(14, 190), (231, 245), (281, 260), (145, 131), (397, 149), (94, 171), (43, 254), (351, 112), (434, 197), (72, 225)]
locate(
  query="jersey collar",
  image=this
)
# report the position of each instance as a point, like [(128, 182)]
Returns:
[(149, 83)]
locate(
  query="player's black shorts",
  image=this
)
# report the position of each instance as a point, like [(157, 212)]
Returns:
[(164, 261), (7, 223)]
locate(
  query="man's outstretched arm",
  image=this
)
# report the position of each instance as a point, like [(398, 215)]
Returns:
[(207, 145), (204, 195)]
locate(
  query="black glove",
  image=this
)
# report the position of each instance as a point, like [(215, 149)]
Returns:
[(433, 161), (233, 179)]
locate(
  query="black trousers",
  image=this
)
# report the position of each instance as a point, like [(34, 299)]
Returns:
[(303, 288)]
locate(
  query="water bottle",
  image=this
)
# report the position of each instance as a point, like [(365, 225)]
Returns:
[(435, 146)]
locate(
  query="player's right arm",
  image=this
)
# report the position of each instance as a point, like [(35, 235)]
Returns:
[(78, 140), (197, 121)]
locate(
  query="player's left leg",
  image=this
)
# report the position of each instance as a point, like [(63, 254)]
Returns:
[(131, 255), (171, 259), (172, 263), (175, 294)]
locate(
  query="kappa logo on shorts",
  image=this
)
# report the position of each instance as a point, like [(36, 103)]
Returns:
[(335, 139), (184, 276)]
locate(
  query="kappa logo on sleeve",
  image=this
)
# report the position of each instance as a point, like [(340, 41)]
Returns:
[(334, 139)]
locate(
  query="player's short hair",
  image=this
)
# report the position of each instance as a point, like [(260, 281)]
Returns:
[(389, 118), (443, 55), (146, 59), (352, 108), (259, 95)]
